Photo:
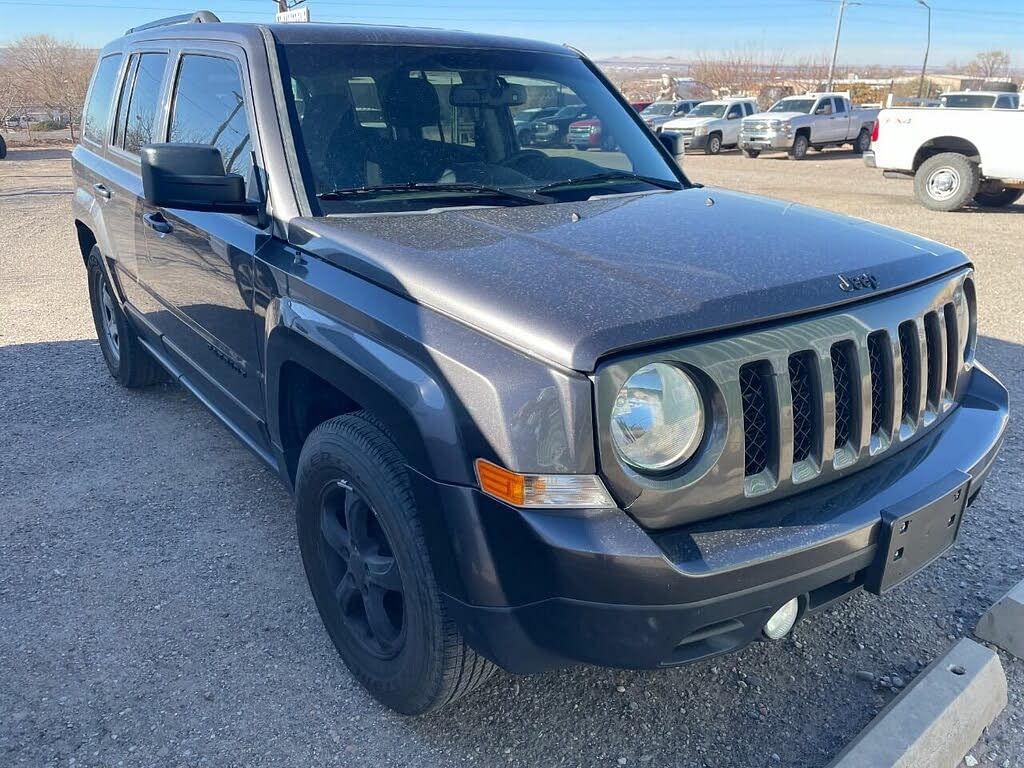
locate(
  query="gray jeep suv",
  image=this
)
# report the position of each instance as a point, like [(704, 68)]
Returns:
[(523, 427)]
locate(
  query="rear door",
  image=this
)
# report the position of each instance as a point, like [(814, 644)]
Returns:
[(731, 128), (842, 120), (200, 265), (137, 122)]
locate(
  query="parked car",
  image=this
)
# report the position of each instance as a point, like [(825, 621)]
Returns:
[(797, 124), (524, 122), (660, 112), (588, 134), (554, 130), (980, 100), (514, 437), (712, 125), (954, 156), (640, 106)]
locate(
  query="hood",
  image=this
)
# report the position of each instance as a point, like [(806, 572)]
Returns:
[(632, 270), (585, 123), (690, 122), (783, 116)]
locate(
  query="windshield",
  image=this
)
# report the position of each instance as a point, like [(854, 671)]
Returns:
[(707, 110), (793, 105), (660, 108), (968, 101), (398, 128)]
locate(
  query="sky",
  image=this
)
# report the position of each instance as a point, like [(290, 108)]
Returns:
[(874, 31)]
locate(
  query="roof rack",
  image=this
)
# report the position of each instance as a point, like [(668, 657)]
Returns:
[(199, 17)]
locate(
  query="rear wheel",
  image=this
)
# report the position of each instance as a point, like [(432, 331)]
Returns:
[(800, 146), (995, 195), (3, 148), (714, 145), (368, 567), (126, 358), (863, 141), (946, 182)]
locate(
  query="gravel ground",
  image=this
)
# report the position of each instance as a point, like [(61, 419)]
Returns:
[(153, 609)]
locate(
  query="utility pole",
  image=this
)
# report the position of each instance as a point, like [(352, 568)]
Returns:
[(835, 48), (927, 48)]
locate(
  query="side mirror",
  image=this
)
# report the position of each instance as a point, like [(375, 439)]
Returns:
[(732, 116), (191, 177), (674, 144)]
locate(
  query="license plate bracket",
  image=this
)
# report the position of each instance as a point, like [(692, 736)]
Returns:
[(916, 531)]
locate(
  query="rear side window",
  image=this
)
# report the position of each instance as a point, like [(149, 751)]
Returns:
[(749, 108), (209, 108), (97, 112), (143, 105), (840, 105)]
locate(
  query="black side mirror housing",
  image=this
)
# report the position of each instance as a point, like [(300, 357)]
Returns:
[(674, 144), (191, 177)]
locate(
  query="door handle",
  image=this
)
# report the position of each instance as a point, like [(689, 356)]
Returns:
[(101, 191), (157, 222)]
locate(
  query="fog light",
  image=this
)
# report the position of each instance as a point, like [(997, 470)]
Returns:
[(778, 626)]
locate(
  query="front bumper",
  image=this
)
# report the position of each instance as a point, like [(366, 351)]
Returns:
[(535, 590), (691, 141), (765, 141)]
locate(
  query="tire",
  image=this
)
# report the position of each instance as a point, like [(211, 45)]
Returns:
[(752, 153), (525, 138), (946, 182), (863, 142), (128, 361), (800, 146), (375, 589), (714, 145), (997, 196), (3, 148)]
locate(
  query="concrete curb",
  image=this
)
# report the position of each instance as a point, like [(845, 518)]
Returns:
[(936, 720), (1003, 623)]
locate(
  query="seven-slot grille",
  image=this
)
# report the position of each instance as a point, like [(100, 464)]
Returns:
[(868, 386)]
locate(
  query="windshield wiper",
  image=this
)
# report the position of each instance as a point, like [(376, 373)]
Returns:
[(609, 176), (427, 186)]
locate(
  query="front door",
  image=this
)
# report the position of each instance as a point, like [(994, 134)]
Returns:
[(199, 265)]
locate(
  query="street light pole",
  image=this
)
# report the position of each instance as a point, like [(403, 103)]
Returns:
[(927, 48), (835, 48)]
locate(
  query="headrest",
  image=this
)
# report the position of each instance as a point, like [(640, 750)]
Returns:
[(411, 102)]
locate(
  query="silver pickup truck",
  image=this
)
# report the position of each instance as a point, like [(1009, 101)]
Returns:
[(797, 124)]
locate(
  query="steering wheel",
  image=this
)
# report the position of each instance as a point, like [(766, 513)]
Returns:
[(517, 158)]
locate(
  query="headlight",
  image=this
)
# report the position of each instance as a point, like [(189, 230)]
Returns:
[(700, 130), (657, 421)]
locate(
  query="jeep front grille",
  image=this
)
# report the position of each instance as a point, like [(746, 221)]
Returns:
[(799, 403), (755, 381)]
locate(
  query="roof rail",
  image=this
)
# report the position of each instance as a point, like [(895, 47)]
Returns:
[(199, 17)]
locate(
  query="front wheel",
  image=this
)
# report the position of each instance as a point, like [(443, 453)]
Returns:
[(714, 145), (994, 195), (800, 146), (366, 559), (752, 153), (946, 182), (3, 148)]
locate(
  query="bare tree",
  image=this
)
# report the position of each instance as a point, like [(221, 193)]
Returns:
[(990, 65), (12, 97), (52, 73)]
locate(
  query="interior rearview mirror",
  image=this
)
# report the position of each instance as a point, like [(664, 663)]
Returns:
[(191, 177), (499, 94)]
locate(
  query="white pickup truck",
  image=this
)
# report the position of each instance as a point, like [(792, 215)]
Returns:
[(812, 121), (955, 156)]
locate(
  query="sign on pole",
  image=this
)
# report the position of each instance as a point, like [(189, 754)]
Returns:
[(294, 14)]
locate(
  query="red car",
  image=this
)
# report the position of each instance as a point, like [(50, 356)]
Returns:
[(584, 134)]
